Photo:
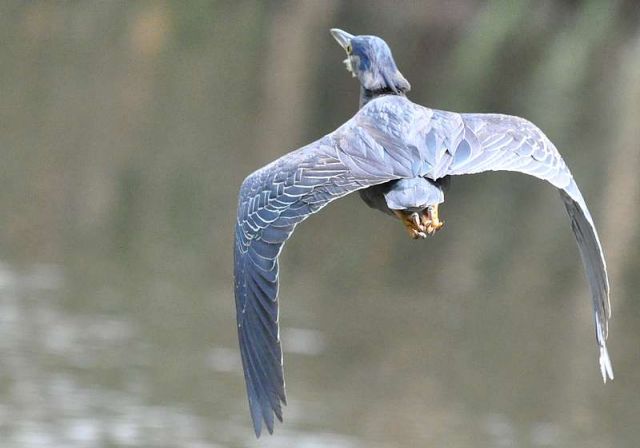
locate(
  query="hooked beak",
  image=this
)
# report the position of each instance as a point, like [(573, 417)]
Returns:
[(342, 37)]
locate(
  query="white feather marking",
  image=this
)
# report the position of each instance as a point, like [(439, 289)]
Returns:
[(605, 364)]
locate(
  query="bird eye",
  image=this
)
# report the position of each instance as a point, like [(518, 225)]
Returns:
[(348, 49)]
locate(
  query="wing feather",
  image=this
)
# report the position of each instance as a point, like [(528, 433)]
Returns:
[(500, 142), (272, 201)]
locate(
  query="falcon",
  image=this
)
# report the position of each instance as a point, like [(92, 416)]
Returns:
[(399, 156)]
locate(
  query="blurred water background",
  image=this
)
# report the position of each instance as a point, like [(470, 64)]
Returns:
[(126, 129)]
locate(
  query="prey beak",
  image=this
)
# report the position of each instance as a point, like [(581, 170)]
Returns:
[(342, 37)]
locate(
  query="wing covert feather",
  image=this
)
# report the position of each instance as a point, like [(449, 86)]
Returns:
[(494, 142)]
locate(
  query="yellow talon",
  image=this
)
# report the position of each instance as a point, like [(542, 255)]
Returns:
[(434, 221), (419, 225)]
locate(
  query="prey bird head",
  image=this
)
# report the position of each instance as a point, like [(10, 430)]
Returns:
[(369, 59)]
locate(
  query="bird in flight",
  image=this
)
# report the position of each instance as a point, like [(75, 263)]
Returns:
[(399, 156)]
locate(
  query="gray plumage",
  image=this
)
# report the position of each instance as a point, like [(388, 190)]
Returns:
[(413, 194), (396, 153)]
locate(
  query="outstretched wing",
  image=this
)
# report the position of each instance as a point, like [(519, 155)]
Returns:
[(491, 142), (273, 200)]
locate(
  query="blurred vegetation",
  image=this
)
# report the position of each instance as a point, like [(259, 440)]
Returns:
[(126, 129)]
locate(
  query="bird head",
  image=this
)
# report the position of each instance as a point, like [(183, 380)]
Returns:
[(369, 59)]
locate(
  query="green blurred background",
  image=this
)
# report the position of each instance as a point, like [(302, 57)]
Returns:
[(126, 129)]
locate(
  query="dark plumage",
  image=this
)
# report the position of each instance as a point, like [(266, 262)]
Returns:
[(400, 156)]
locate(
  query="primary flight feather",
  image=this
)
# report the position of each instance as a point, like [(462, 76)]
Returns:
[(399, 156)]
